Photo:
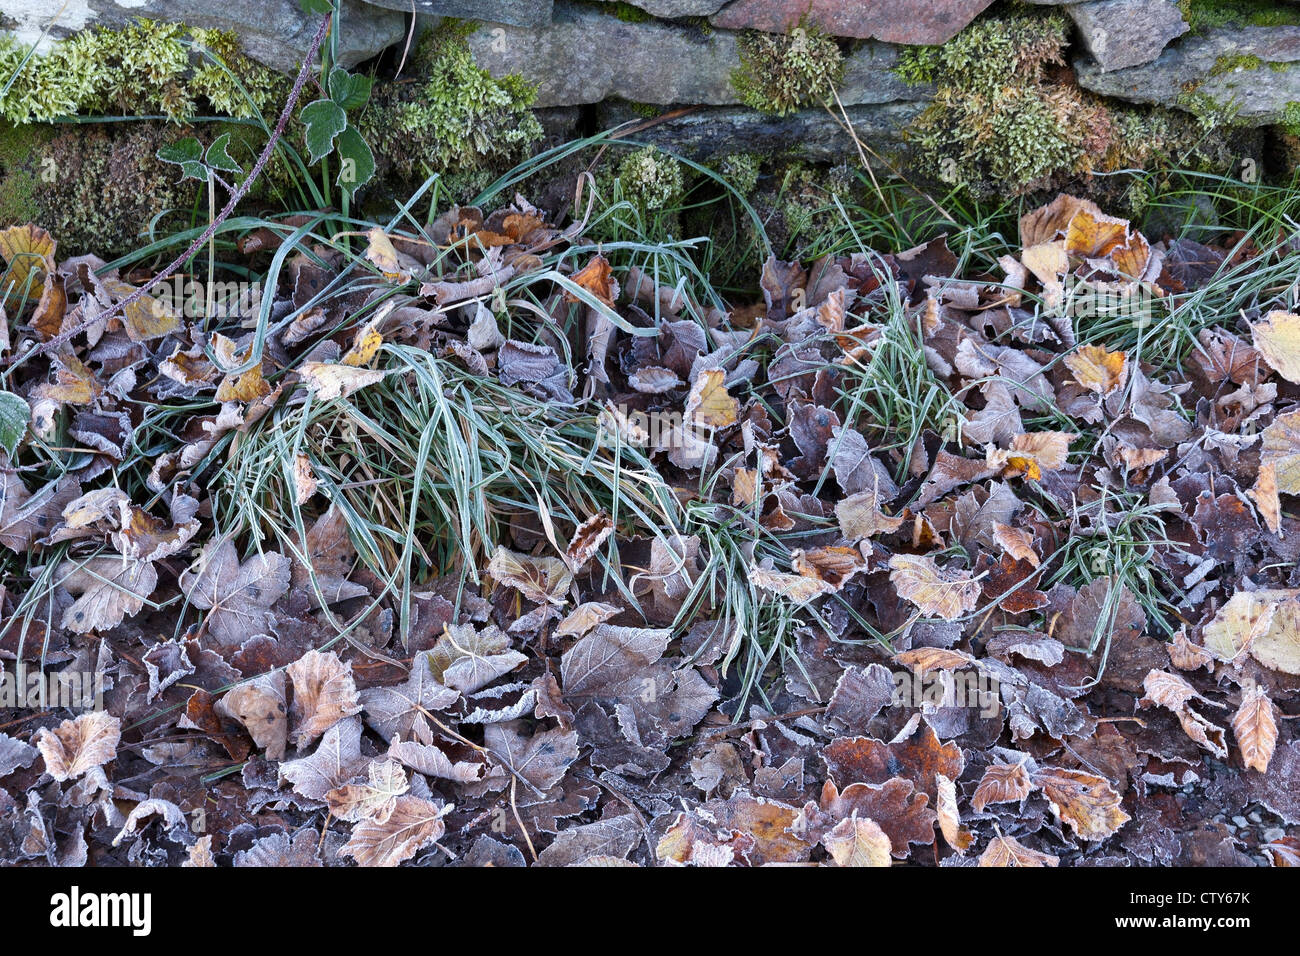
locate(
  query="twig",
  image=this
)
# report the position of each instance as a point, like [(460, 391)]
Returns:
[(235, 197)]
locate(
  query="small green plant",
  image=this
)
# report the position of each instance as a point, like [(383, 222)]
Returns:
[(783, 73)]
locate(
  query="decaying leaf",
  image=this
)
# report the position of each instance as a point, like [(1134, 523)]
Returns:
[(79, 745), (541, 580), (106, 589), (1255, 727), (1002, 783), (413, 824), (323, 694), (938, 593), (1088, 803), (259, 704), (1008, 851), (709, 404), (1097, 369), (854, 842), (238, 596)]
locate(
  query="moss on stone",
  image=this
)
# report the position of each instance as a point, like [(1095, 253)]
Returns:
[(146, 68), (96, 187), (1004, 121), (456, 118), (1203, 15), (1290, 122), (782, 73)]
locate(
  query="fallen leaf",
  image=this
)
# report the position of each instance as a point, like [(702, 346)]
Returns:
[(79, 745), (330, 380), (854, 842), (709, 404), (1097, 369), (1255, 726), (107, 589), (1008, 851), (1277, 338), (938, 593), (412, 825), (323, 694), (949, 817), (1001, 783), (1088, 803)]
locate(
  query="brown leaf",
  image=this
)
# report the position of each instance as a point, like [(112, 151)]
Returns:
[(596, 278), (1088, 803), (1001, 783), (79, 745), (1255, 727), (919, 758), (375, 800), (587, 539), (540, 580), (323, 694), (238, 596), (859, 516), (259, 705), (413, 824), (106, 589)]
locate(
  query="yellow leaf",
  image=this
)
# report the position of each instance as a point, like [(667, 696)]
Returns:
[(795, 587), (945, 594), (858, 842), (1277, 338), (950, 826), (1280, 447), (364, 346), (1091, 233), (29, 250), (709, 404), (381, 253), (331, 380), (1238, 623), (1098, 370)]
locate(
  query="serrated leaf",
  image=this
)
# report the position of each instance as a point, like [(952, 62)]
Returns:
[(186, 153), (357, 162), (324, 120), (218, 155), (14, 416), (349, 90)]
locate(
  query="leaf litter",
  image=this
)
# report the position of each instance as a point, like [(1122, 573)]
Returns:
[(1055, 624)]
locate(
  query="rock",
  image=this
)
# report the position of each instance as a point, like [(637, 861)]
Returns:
[(1122, 33), (585, 56), (898, 21), (1256, 70), (274, 32), (523, 13), (1241, 822), (812, 135), (669, 9)]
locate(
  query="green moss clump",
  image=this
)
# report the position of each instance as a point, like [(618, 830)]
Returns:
[(142, 69), (1290, 122), (781, 73), (650, 180), (1229, 63), (1203, 15), (1003, 121), (456, 118), (96, 187), (741, 170)]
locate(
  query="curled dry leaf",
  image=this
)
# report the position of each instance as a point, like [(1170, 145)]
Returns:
[(1031, 454), (584, 617), (854, 842), (1255, 726), (798, 588), (938, 593), (540, 580), (330, 380), (1088, 803), (259, 704), (950, 826), (587, 540), (1175, 694), (79, 745), (1002, 783), (1016, 542), (323, 694), (922, 660), (832, 566), (412, 825)]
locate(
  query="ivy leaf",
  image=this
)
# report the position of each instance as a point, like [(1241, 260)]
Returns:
[(218, 155), (349, 90), (14, 416), (186, 153), (324, 120), (358, 163)]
